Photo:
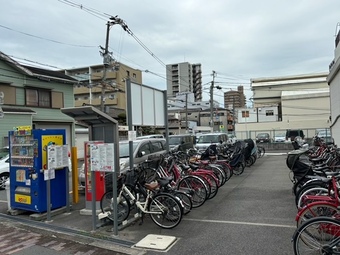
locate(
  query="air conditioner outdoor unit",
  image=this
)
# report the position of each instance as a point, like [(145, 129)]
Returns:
[(112, 96)]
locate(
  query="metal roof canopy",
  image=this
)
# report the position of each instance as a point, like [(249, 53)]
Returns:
[(101, 128), (89, 115)]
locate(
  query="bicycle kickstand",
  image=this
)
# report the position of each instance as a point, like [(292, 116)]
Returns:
[(141, 215)]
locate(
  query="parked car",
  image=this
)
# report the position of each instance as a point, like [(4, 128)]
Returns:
[(142, 150), (280, 137), (263, 138), (232, 138), (326, 135), (149, 136), (182, 142), (292, 133), (205, 140), (4, 171)]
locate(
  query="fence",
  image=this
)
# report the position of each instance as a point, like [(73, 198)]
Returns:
[(308, 133)]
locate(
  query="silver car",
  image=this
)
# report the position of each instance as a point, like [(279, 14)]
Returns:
[(205, 140), (142, 150)]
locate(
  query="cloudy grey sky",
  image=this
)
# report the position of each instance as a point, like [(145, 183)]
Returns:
[(239, 40)]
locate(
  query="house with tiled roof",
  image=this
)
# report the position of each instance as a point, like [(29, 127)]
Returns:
[(31, 96)]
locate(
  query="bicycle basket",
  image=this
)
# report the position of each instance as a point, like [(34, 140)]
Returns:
[(130, 177), (293, 157)]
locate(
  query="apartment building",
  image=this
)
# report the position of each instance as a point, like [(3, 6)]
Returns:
[(234, 98), (184, 77), (92, 84)]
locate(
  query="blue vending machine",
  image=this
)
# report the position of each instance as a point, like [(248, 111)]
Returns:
[(28, 161)]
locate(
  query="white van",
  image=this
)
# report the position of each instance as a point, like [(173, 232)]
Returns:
[(205, 140)]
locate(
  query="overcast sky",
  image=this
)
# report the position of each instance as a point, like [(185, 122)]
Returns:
[(239, 40)]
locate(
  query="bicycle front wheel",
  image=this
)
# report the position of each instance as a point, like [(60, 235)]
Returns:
[(239, 168), (196, 188), (123, 206), (319, 235), (186, 200), (165, 210), (316, 209), (261, 151), (315, 193)]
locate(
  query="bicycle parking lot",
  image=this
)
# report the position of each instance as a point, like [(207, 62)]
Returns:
[(252, 214)]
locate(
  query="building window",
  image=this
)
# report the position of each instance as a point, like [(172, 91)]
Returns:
[(269, 113), (134, 75), (38, 97), (128, 73), (245, 114)]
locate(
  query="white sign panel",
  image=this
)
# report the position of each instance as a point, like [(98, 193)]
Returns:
[(57, 156), (147, 106), (136, 104), (102, 157), (49, 174), (132, 135)]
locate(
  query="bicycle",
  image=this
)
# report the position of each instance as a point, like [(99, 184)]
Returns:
[(190, 184), (324, 205), (319, 235), (260, 151), (164, 209)]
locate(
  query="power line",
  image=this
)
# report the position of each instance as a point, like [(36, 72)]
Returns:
[(50, 40), (123, 25)]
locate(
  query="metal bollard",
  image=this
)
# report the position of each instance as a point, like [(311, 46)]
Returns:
[(8, 193)]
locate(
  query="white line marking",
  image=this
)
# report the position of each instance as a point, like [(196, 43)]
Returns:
[(243, 223), (3, 201)]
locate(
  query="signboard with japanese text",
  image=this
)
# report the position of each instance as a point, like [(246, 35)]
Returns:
[(102, 157), (57, 156)]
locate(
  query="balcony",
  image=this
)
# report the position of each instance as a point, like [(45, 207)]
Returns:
[(95, 102), (113, 101), (86, 90), (97, 76), (80, 90)]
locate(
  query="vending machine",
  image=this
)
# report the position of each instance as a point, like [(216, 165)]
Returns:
[(28, 161)]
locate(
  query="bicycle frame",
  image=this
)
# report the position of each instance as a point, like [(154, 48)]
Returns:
[(141, 205), (332, 189)]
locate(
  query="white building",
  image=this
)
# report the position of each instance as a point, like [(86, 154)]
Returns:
[(333, 80), (291, 102)]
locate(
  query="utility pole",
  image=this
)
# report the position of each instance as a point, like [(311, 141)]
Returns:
[(212, 101), (107, 59), (234, 115), (186, 112)]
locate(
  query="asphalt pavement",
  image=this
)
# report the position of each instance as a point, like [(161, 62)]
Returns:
[(252, 214)]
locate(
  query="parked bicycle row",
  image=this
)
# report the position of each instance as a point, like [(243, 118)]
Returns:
[(169, 187), (315, 180)]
